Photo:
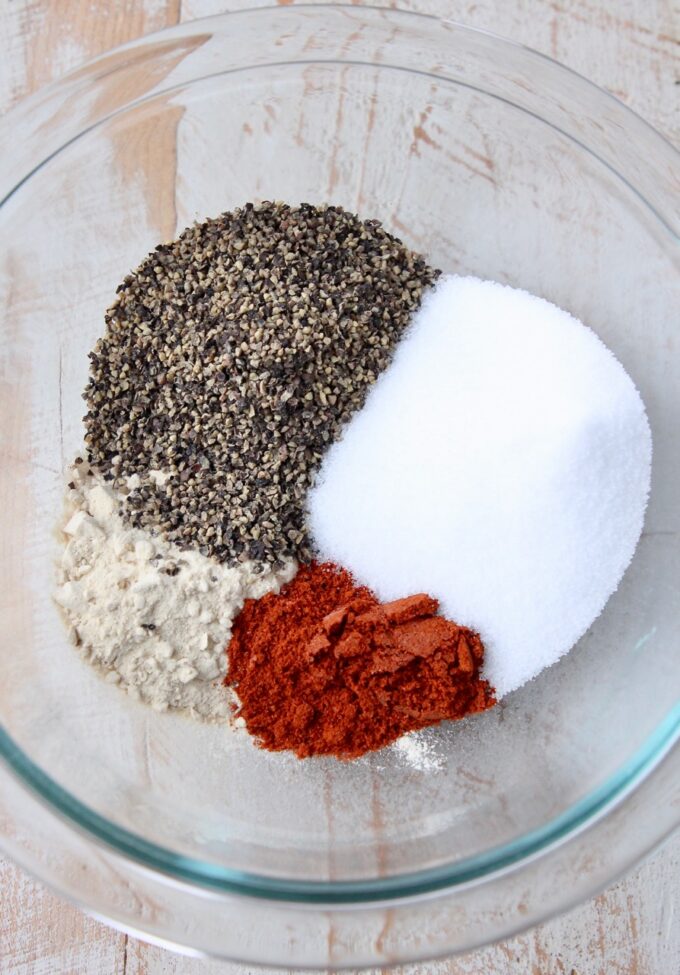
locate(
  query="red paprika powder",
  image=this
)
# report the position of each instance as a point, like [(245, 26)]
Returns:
[(323, 668)]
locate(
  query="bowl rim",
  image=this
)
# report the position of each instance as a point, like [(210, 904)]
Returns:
[(383, 890), (395, 887)]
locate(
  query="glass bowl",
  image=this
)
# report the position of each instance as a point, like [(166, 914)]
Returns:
[(492, 160)]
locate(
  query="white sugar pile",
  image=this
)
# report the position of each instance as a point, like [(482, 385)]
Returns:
[(502, 464)]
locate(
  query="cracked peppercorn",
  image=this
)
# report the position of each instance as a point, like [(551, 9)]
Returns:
[(231, 360)]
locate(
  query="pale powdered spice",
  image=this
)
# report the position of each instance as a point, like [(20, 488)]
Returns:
[(151, 617), (419, 752)]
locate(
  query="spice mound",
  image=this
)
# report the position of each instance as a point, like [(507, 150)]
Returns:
[(323, 668), (151, 618), (517, 493), (231, 360)]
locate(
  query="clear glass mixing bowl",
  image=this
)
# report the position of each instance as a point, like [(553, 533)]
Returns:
[(492, 160)]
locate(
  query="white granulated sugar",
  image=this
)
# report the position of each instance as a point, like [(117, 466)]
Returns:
[(153, 618), (501, 464)]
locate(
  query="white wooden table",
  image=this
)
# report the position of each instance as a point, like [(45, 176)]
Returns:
[(631, 47)]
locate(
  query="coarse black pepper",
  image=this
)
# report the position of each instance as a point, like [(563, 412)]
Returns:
[(231, 360)]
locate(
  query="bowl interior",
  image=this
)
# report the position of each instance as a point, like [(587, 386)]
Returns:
[(481, 185)]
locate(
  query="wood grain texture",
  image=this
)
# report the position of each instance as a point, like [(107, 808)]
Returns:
[(631, 47)]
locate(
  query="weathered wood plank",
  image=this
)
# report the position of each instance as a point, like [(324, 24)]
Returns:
[(40, 40), (632, 48)]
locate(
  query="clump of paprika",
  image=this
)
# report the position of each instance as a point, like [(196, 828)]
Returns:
[(324, 668)]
